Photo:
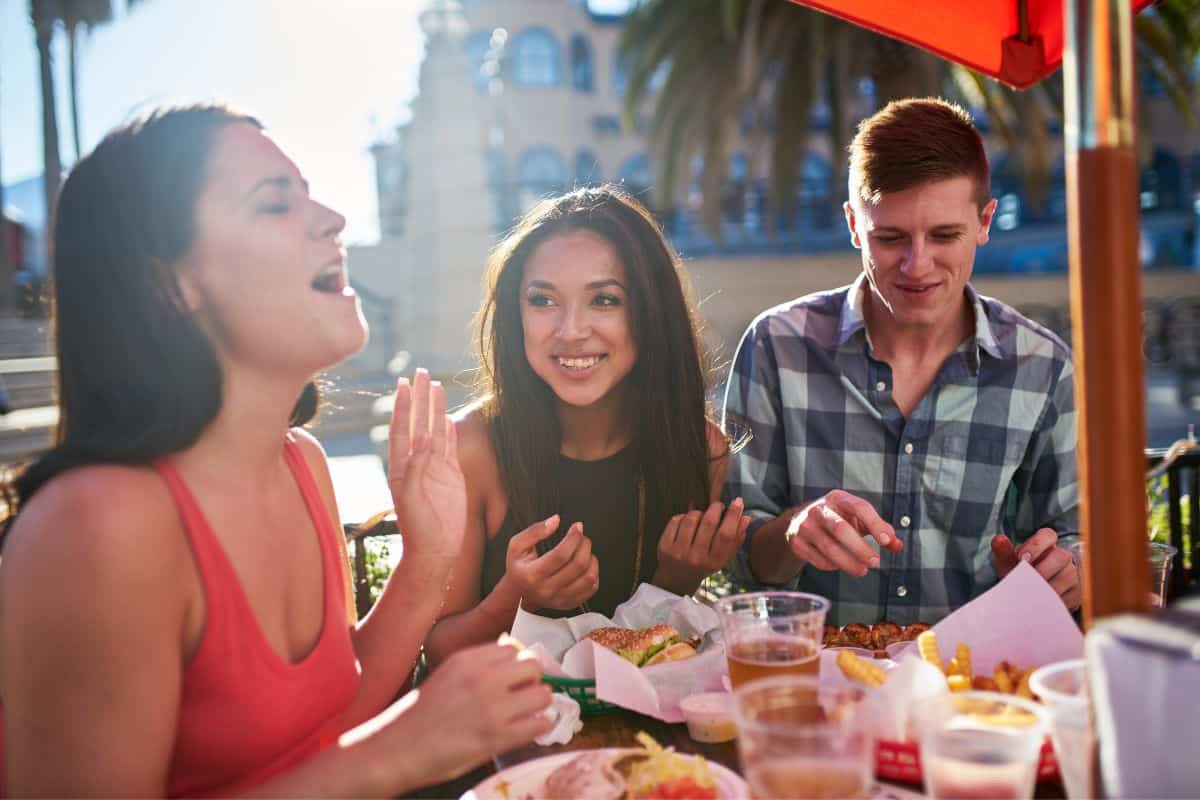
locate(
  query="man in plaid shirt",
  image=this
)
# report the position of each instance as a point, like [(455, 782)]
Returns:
[(912, 440)]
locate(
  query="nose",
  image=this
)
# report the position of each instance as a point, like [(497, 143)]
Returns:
[(573, 324), (919, 260), (325, 221)]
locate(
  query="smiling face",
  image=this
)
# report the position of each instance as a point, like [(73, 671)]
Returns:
[(575, 318), (266, 272), (918, 249)]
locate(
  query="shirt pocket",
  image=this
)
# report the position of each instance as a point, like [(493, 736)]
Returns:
[(968, 476)]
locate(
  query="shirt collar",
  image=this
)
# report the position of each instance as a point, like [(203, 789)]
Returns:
[(852, 321)]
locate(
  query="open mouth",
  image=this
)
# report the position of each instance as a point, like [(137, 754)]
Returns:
[(332, 281), (579, 363)]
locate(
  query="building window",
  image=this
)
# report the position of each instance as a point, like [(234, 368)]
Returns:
[(498, 190), (620, 75), (535, 58), (543, 174), (581, 64), (476, 47), (635, 175), (587, 169)]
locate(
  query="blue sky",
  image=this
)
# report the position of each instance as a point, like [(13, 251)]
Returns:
[(327, 77)]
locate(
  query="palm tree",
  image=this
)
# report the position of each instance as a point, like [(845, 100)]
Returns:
[(76, 14), (764, 64), (43, 14)]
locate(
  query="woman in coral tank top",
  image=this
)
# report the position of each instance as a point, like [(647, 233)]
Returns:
[(173, 613)]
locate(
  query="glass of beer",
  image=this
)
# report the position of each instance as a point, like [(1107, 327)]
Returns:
[(772, 633), (798, 740)]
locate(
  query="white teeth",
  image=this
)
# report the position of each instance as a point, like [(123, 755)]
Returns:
[(579, 363)]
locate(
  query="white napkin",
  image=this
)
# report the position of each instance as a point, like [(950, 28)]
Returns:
[(565, 713)]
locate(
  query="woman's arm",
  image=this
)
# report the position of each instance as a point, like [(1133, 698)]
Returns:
[(100, 605), (95, 592)]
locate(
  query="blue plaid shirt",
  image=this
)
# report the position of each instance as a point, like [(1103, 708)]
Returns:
[(989, 449)]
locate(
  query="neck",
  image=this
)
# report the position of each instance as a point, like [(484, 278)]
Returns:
[(596, 431), (243, 444), (895, 341)]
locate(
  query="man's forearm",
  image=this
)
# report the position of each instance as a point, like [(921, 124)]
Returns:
[(771, 559)]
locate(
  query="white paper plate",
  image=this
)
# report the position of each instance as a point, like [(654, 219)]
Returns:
[(525, 780)]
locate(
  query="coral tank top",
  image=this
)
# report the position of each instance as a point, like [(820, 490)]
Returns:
[(247, 714)]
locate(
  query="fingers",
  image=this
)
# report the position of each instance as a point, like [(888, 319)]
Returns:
[(398, 431), (706, 530), (685, 538), (1059, 571), (581, 560), (580, 588), (419, 416), (730, 533), (863, 516), (1038, 545), (841, 542), (1003, 554), (437, 399), (1073, 599), (560, 556), (801, 547), (527, 539), (670, 535)]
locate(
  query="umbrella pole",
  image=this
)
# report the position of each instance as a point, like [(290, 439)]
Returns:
[(1106, 303)]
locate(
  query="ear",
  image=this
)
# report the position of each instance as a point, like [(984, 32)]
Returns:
[(189, 292), (985, 222), (852, 224)]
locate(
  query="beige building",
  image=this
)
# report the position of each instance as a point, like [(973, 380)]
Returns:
[(523, 98)]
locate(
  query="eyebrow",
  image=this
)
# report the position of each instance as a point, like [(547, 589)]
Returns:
[(277, 182), (601, 284), (950, 227)]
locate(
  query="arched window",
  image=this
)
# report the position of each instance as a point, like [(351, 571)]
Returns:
[(543, 174), (620, 75), (635, 175), (587, 169), (499, 190), (581, 64), (535, 58), (476, 47)]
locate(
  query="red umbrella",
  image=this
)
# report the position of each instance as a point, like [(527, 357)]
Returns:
[(1018, 42)]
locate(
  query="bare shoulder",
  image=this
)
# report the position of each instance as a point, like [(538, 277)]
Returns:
[(102, 531), (475, 451), (310, 447)]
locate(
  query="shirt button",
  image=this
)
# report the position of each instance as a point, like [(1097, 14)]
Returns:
[(905, 521), (901, 591), (881, 387), (908, 448)]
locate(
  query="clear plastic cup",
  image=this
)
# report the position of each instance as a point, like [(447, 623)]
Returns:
[(1162, 556), (897, 649), (1062, 686), (796, 739), (980, 744), (772, 633)]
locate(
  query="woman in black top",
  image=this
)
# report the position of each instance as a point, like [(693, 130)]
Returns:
[(590, 461)]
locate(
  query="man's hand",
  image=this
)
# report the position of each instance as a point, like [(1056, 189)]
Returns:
[(1053, 563), (694, 545), (828, 533)]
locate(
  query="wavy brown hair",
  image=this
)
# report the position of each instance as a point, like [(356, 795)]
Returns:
[(667, 383), (137, 377)]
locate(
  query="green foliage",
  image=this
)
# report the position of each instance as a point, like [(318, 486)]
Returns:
[(378, 568), (1158, 519)]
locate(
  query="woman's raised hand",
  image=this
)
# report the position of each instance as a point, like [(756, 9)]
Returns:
[(424, 476), (562, 578), (695, 545)]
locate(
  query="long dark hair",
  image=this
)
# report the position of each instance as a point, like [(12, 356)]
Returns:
[(669, 411), (137, 377)]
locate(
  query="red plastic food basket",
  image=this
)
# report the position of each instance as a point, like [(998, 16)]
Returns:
[(901, 761)]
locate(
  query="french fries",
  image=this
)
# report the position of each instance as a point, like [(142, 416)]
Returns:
[(860, 670), (959, 671)]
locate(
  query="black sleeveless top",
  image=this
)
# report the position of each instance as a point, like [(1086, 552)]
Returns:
[(603, 495)]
